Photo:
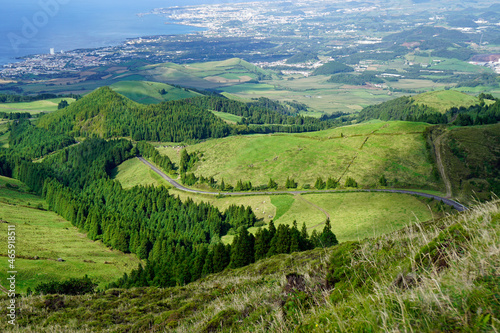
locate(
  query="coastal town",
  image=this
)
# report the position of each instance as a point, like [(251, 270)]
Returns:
[(283, 27)]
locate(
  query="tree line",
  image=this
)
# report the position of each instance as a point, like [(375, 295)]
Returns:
[(403, 108)]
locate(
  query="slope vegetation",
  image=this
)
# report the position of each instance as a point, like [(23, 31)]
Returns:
[(425, 278), (471, 159), (107, 114), (364, 152), (43, 237), (206, 75), (151, 92)]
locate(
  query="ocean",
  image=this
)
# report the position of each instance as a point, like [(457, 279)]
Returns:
[(35, 26)]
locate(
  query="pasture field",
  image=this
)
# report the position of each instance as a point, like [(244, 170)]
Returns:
[(353, 215), (46, 235), (364, 152), (149, 92), (134, 173), (444, 100), (48, 105), (228, 117), (207, 75)]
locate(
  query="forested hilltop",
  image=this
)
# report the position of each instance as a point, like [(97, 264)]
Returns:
[(107, 114)]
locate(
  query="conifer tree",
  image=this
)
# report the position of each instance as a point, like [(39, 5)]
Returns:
[(327, 237)]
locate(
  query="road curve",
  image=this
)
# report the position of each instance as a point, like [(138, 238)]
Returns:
[(180, 187)]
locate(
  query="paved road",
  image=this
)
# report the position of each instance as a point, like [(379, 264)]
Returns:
[(178, 186)]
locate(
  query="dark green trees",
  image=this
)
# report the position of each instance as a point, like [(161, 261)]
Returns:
[(62, 104), (290, 183), (272, 184), (350, 182), (242, 250), (320, 184)]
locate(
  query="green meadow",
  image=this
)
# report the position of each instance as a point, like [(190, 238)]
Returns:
[(48, 105), (149, 92), (444, 100), (135, 173), (42, 237), (364, 152)]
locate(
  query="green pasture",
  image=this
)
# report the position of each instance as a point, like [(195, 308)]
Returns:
[(364, 152), (48, 105), (443, 100), (228, 117), (44, 234), (149, 92), (135, 173)]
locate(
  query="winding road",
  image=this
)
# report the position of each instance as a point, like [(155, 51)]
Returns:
[(178, 186)]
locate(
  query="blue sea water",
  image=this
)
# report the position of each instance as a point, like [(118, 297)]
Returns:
[(34, 26)]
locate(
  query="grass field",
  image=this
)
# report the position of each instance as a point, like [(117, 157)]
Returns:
[(207, 75), (48, 105), (149, 92), (356, 216), (443, 100), (46, 235), (228, 117), (353, 215), (395, 149), (133, 173)]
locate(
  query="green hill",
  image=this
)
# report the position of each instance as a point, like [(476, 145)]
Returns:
[(430, 107), (151, 92), (443, 100), (47, 105), (208, 75), (108, 114), (364, 152), (429, 277)]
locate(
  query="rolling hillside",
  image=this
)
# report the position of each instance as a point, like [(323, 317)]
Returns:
[(145, 92), (48, 105), (426, 278), (108, 114), (471, 157), (207, 75), (443, 100), (364, 152), (427, 107)]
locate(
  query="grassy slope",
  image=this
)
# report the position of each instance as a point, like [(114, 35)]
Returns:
[(258, 298), (444, 100), (133, 173), (48, 105), (230, 118), (471, 158), (46, 235), (148, 92), (396, 149), (204, 75)]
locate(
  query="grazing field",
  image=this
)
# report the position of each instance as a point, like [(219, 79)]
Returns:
[(149, 92), (353, 215), (364, 152), (444, 100), (47, 236), (207, 75), (48, 105), (356, 216), (228, 117), (133, 173)]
